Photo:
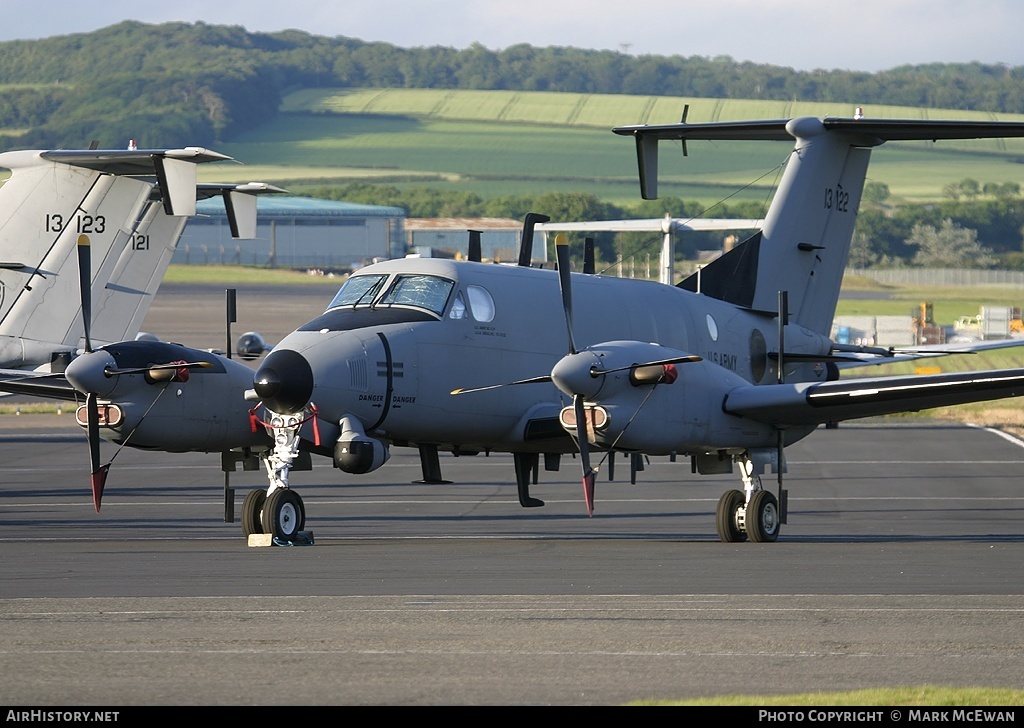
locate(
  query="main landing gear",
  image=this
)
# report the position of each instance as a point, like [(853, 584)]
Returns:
[(752, 513)]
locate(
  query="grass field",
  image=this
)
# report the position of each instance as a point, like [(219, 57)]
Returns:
[(498, 143)]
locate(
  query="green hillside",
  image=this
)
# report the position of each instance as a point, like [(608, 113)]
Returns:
[(499, 143)]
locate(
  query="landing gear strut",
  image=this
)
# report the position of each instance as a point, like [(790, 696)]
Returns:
[(278, 510)]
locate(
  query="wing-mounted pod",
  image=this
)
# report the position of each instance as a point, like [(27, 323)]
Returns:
[(355, 452)]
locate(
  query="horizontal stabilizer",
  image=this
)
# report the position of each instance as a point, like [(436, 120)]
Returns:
[(859, 356), (129, 162), (781, 405), (867, 132)]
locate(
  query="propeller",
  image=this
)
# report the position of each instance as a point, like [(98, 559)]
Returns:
[(92, 373), (578, 401), (580, 374), (98, 472)]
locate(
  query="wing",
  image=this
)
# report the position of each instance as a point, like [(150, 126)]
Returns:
[(658, 224), (782, 405), (849, 357)]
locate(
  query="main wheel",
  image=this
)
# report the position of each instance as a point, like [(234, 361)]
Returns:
[(252, 512), (284, 515), (762, 519), (728, 507)]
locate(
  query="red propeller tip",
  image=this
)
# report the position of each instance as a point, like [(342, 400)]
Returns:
[(588, 491), (99, 479)]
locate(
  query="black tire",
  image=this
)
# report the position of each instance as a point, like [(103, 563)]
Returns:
[(762, 519), (252, 512), (284, 515), (728, 528)]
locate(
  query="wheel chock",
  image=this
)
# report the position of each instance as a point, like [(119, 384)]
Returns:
[(302, 538)]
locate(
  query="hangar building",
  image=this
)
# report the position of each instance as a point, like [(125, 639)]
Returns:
[(295, 232)]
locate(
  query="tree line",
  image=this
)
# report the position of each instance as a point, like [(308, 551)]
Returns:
[(199, 83), (202, 84)]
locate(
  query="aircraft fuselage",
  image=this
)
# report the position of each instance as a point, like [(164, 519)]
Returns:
[(394, 363)]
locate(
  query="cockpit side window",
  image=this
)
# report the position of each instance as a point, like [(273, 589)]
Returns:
[(421, 291), (458, 311), (358, 291), (480, 303)]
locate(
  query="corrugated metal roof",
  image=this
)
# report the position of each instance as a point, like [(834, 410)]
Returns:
[(269, 206), (462, 223)]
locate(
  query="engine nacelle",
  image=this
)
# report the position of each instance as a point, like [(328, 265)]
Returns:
[(357, 453)]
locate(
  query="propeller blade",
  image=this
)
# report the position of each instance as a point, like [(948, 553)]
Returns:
[(564, 283), (99, 473), (658, 363), (531, 380), (583, 441), (85, 286), (174, 368)]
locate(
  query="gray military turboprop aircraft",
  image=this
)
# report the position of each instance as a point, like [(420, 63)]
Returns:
[(131, 205), (469, 357)]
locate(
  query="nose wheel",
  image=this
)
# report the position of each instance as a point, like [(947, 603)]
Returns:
[(252, 512), (282, 514)]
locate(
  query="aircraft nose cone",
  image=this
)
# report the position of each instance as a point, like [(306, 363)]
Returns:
[(284, 382)]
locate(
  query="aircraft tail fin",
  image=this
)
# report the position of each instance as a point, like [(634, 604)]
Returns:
[(804, 244), (125, 296), (55, 196)]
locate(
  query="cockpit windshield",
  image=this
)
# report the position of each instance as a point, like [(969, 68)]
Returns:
[(358, 291), (421, 291), (417, 290)]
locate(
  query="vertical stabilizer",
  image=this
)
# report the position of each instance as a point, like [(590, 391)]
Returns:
[(805, 242)]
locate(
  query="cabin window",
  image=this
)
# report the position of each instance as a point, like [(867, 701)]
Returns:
[(480, 303), (358, 291), (421, 291)]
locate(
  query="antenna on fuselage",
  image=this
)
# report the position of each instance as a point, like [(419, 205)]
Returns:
[(589, 266)]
